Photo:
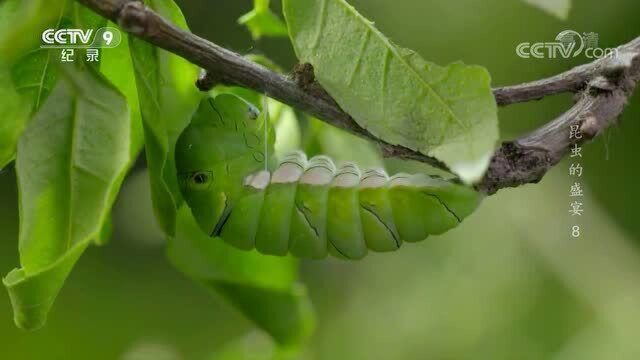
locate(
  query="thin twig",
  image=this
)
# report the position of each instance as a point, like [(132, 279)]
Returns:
[(603, 88), (599, 105)]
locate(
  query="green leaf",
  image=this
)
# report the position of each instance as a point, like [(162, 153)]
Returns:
[(32, 73), (445, 112), (15, 112), (263, 288), (71, 161), (26, 73), (117, 66), (105, 233), (22, 23), (26, 82), (168, 97), (83, 17), (261, 21), (557, 8)]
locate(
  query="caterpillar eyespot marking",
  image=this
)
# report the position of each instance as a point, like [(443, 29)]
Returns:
[(197, 180), (305, 207)]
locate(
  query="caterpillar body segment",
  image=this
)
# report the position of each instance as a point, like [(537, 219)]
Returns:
[(306, 207), (243, 222), (275, 219), (308, 237), (376, 213)]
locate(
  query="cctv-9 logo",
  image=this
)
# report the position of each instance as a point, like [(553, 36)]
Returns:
[(107, 37)]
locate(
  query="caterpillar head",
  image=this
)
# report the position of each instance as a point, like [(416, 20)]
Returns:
[(224, 142)]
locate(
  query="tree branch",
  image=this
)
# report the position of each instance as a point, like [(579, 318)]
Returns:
[(603, 88), (598, 105)]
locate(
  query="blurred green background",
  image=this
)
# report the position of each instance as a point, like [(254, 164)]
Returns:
[(510, 283)]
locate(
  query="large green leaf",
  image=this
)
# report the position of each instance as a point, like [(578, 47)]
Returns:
[(261, 21), (71, 161), (445, 112)]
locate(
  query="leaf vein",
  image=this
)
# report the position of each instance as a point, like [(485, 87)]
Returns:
[(363, 45), (321, 24)]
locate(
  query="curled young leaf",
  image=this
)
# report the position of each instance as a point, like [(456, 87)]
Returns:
[(445, 112), (71, 161)]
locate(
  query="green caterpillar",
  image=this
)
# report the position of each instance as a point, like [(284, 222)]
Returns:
[(308, 208)]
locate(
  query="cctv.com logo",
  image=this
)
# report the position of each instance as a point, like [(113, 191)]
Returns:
[(568, 44), (106, 37)]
